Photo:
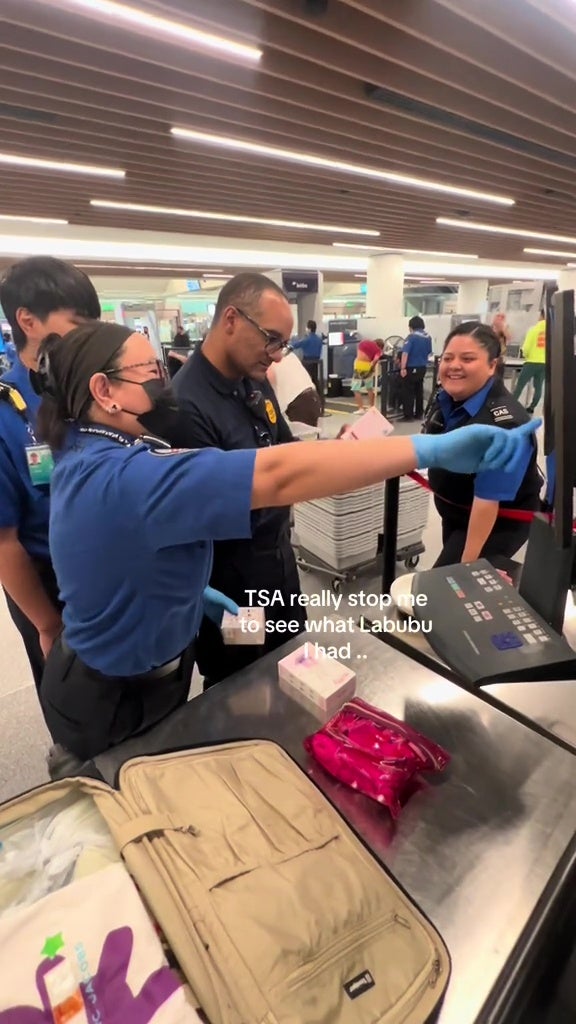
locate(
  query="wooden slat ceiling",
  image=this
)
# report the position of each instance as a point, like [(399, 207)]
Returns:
[(477, 93)]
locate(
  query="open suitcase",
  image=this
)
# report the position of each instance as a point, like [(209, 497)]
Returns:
[(273, 908)]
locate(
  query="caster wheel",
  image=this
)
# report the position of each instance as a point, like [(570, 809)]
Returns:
[(336, 586), (412, 562)]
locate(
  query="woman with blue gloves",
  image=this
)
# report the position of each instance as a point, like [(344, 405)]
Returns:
[(132, 526)]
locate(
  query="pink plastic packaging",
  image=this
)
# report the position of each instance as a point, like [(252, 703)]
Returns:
[(374, 753)]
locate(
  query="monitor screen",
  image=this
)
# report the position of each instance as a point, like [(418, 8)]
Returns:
[(335, 338)]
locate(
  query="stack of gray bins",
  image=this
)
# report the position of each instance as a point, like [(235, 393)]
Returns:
[(343, 531)]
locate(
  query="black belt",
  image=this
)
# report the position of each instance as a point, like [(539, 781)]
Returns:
[(155, 673)]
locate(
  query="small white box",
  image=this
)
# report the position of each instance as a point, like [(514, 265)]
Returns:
[(248, 627), (317, 678)]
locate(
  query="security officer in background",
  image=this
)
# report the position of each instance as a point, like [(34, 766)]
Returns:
[(416, 352), (230, 405), (38, 295), (311, 348), (472, 392)]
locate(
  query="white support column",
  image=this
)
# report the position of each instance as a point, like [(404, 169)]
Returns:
[(385, 292), (473, 298), (567, 280)]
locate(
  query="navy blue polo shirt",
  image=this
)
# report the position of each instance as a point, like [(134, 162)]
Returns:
[(491, 485), (131, 533), (311, 346), (220, 416), (418, 345), (22, 505)]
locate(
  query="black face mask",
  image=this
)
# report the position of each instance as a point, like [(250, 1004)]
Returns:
[(164, 420)]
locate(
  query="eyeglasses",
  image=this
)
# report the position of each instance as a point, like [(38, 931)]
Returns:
[(150, 364), (274, 342)]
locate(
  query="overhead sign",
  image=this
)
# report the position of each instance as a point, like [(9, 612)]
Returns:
[(193, 286), (300, 282)]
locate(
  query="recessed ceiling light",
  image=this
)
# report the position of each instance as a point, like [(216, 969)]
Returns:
[(177, 30), (552, 252), (231, 217), (495, 229), (219, 277), (32, 220), (58, 165), (409, 252), (336, 165)]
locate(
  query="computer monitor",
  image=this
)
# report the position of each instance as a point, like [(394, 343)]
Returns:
[(560, 408)]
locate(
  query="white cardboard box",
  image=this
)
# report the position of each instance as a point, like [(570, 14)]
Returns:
[(248, 627), (316, 678)]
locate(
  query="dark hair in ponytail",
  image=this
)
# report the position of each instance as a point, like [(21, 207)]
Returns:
[(481, 333), (52, 419), (66, 366)]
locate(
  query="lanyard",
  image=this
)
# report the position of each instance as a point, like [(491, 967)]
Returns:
[(110, 435)]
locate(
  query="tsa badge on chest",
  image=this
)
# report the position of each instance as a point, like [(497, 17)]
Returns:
[(271, 411)]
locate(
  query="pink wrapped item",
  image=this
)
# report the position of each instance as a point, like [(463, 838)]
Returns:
[(374, 753), (372, 424)]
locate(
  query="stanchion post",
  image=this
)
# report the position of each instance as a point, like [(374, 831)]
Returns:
[(390, 539), (384, 370)]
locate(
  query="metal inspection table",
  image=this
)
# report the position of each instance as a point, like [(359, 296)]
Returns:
[(549, 705), (487, 849)]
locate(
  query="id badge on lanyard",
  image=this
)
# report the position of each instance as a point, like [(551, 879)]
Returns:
[(40, 464), (40, 460)]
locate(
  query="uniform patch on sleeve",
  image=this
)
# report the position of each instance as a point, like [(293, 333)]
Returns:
[(501, 413), (172, 451)]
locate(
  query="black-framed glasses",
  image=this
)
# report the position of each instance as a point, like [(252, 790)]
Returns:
[(274, 342), (150, 364)]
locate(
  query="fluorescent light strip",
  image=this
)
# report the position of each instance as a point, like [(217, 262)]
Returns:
[(57, 165), (144, 266), (552, 252), (180, 32), (385, 251), (231, 217), (495, 229), (32, 220), (335, 165)]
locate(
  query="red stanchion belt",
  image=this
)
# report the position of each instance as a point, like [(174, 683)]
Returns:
[(521, 515)]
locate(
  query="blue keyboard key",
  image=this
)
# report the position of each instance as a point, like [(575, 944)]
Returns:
[(506, 641)]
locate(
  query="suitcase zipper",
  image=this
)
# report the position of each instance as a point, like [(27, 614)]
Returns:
[(341, 945)]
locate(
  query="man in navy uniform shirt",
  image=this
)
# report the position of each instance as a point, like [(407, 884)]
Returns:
[(39, 295), (415, 354), (230, 405)]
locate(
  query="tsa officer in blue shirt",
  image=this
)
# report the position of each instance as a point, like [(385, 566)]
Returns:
[(470, 505), (38, 295), (311, 347), (416, 352), (132, 527)]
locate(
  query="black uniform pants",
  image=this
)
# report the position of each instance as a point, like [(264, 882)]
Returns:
[(314, 368), (506, 539), (88, 712), (271, 568), (413, 392), (27, 629)]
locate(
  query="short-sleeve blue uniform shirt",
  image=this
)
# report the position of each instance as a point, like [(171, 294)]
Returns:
[(491, 485), (131, 533), (22, 505)]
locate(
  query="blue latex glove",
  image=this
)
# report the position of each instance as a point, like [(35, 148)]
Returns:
[(215, 604), (474, 449)]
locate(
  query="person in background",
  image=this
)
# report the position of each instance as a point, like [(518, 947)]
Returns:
[(294, 388), (38, 295), (368, 355), (416, 352), (230, 404), (469, 505), (504, 335), (181, 338), (135, 593), (311, 347), (534, 369)]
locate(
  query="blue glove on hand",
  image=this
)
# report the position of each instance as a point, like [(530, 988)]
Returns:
[(215, 604), (474, 449)]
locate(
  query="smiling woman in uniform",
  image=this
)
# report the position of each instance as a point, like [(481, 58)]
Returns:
[(470, 505)]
